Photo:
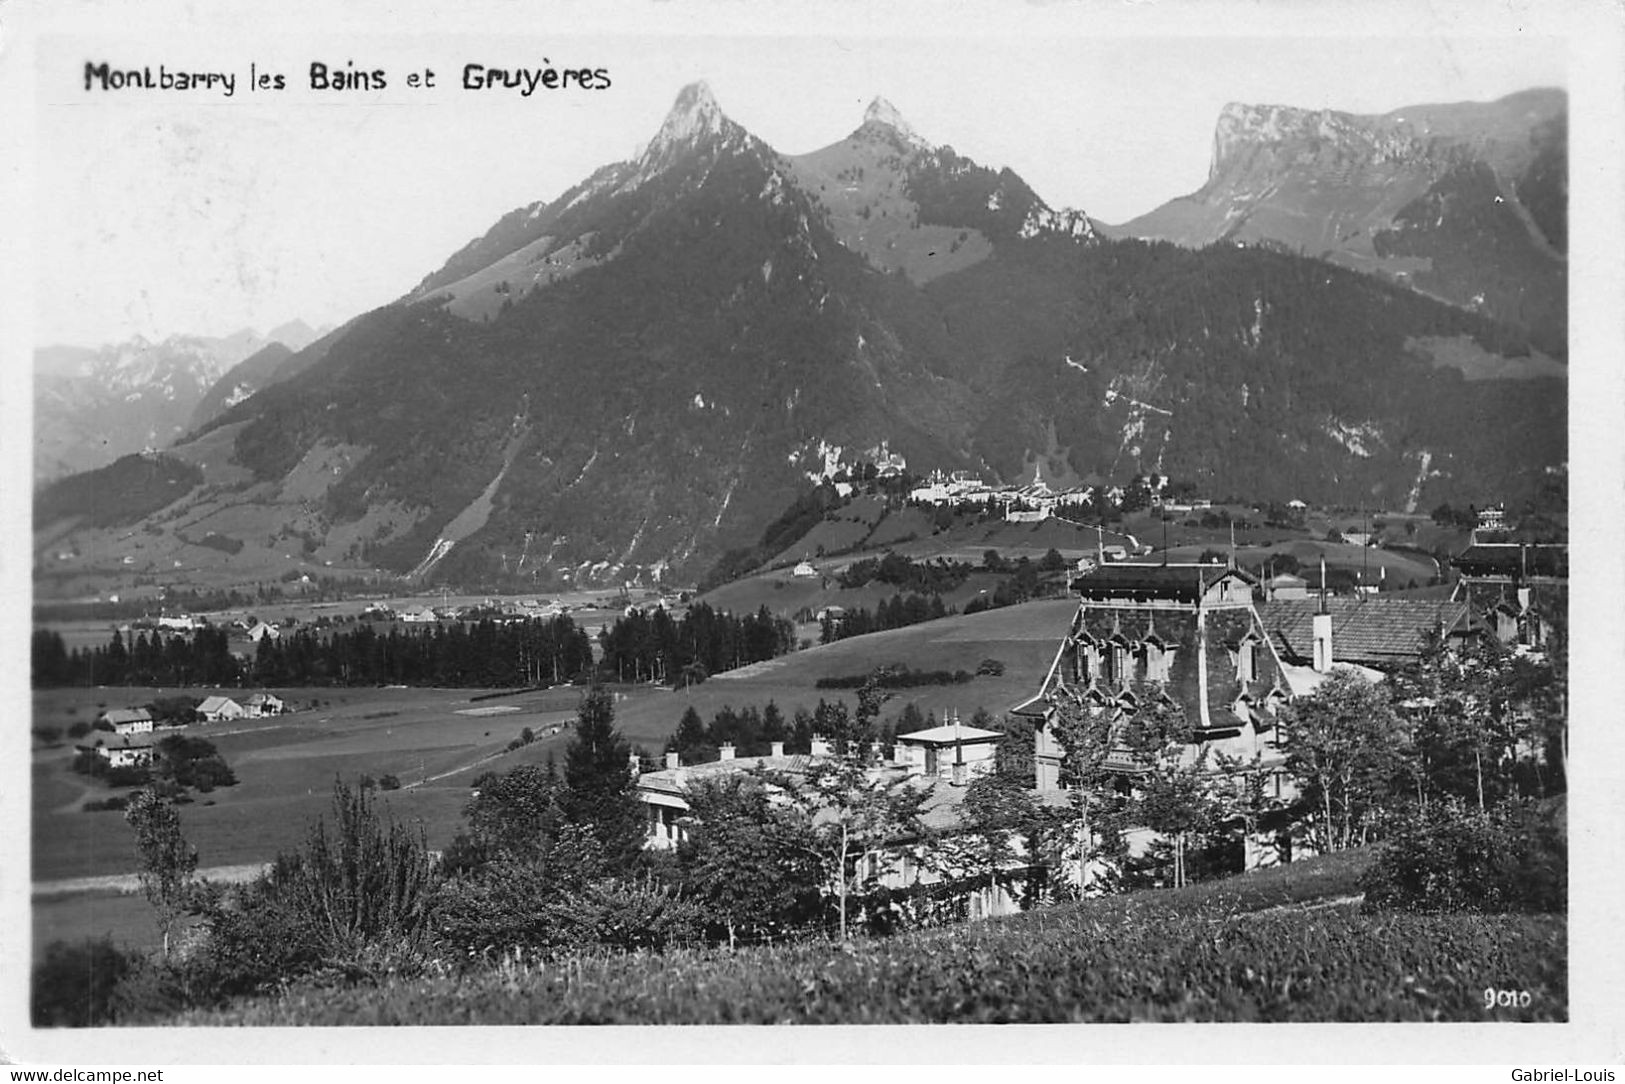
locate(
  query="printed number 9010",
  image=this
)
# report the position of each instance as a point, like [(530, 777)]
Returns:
[(1506, 999)]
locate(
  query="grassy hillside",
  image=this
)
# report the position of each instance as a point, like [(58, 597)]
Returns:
[(1281, 945)]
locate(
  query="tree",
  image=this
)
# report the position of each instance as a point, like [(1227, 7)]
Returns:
[(1345, 746), (1174, 795), (996, 814), (167, 859), (753, 865), (598, 783), (1087, 739), (369, 882), (848, 812)]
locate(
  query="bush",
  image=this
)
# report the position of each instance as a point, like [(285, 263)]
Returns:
[(989, 668), (79, 729), (389, 782), (89, 763), (1454, 858), (73, 985)]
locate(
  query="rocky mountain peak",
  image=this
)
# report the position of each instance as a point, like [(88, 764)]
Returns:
[(695, 120), (694, 115), (883, 114)]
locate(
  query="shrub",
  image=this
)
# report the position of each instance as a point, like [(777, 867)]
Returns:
[(1454, 858), (389, 782), (989, 668), (73, 985), (79, 729), (89, 763), (132, 775), (368, 881)]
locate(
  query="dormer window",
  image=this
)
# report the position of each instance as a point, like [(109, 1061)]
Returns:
[(1158, 659), (1247, 659)]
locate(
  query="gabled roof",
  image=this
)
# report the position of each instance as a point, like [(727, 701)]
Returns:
[(1183, 583), (216, 703), (1366, 630), (129, 715)]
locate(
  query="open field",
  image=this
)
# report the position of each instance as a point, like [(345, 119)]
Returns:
[(286, 764)]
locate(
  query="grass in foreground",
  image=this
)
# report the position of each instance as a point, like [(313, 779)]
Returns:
[(1284, 945)]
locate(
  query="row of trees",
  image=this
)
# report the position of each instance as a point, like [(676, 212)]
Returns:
[(478, 654), (204, 658), (655, 647), (897, 612)]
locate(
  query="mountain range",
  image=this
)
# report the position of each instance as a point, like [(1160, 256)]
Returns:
[(1467, 202), (93, 405), (640, 374)]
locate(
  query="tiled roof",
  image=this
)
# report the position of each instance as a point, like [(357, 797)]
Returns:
[(1185, 583), (1371, 631), (941, 810), (1511, 559)]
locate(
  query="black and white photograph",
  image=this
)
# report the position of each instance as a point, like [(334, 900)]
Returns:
[(659, 516)]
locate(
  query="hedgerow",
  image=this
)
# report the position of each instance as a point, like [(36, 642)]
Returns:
[(1204, 954)]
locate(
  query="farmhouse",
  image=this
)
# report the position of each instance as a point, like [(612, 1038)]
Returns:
[(263, 631), (804, 570), (264, 704), (219, 709), (119, 752), (130, 721)]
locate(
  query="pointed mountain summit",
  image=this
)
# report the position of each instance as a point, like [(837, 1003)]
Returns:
[(695, 120), (882, 114), (637, 376)]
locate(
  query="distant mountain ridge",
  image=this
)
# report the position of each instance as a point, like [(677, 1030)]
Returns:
[(1465, 201), (638, 375), (93, 405)]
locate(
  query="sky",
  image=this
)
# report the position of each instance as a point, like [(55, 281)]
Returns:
[(192, 212)]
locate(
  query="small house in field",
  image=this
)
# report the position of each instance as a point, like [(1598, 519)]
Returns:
[(263, 631), (118, 751), (130, 721), (264, 704), (804, 570), (220, 709)]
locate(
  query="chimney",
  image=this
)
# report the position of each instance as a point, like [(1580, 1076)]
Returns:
[(778, 748), (1323, 642), (726, 752), (820, 746), (673, 761)]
